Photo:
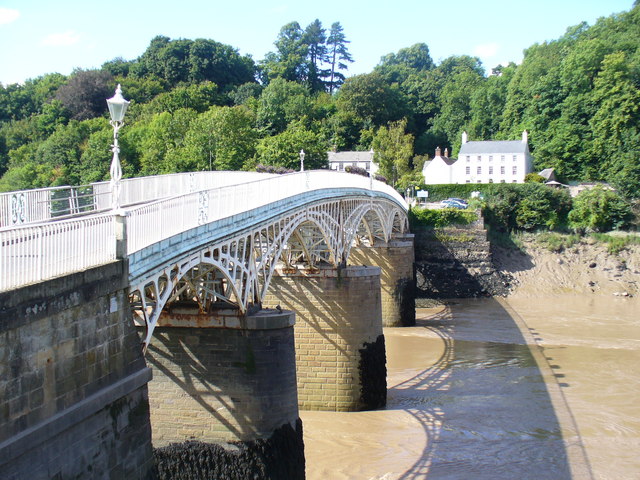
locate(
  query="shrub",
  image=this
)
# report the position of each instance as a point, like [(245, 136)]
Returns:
[(599, 210), (424, 217), (556, 242), (272, 169), (529, 206), (356, 170)]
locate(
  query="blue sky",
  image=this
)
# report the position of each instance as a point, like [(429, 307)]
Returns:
[(44, 36)]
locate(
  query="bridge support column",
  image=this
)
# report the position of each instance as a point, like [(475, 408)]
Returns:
[(340, 353), (224, 391), (397, 279)]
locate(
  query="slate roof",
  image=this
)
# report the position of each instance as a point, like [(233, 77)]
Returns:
[(351, 156), (492, 146)]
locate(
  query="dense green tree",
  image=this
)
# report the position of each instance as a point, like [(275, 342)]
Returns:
[(338, 54), (85, 93), (284, 148), (194, 61), (599, 210), (289, 60), (393, 149), (223, 138), (317, 54), (371, 99), (281, 103)]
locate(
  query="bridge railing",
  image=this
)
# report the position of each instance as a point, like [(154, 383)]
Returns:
[(43, 204), (37, 252), (32, 253), (156, 221)]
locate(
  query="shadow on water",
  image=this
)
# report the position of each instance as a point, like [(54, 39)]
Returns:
[(484, 405)]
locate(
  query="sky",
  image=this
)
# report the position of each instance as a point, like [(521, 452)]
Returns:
[(43, 36)]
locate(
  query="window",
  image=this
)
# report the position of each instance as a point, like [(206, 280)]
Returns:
[(502, 158), (502, 181), (515, 157), (479, 157), (479, 171), (468, 181), (468, 158), (468, 170), (502, 170), (490, 170), (491, 158), (367, 166), (479, 181), (491, 180), (515, 170)]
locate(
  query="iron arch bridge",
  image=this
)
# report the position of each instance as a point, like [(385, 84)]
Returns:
[(209, 238), (313, 221)]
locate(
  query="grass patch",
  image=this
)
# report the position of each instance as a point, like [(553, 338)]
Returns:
[(616, 242), (556, 242)]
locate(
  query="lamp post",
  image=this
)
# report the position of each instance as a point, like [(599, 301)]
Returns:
[(117, 108), (302, 160)]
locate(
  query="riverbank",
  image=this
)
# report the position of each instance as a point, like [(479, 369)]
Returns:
[(583, 268)]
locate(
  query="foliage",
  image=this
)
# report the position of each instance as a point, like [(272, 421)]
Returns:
[(85, 92), (599, 210), (284, 148), (616, 243), (578, 96), (393, 150), (556, 242), (533, 178), (437, 218)]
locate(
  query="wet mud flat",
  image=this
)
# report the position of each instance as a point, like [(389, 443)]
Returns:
[(471, 395)]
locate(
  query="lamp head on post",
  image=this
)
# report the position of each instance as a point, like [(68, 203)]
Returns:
[(117, 108), (302, 160)]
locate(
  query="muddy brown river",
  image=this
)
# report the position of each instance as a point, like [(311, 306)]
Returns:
[(521, 389)]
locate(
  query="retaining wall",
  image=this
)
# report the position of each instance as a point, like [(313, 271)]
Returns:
[(73, 394)]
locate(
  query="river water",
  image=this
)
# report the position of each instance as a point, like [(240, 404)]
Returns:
[(512, 389)]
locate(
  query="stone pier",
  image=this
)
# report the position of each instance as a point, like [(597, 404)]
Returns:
[(340, 354), (224, 390), (397, 278)]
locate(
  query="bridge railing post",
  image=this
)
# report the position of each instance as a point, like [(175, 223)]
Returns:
[(121, 234)]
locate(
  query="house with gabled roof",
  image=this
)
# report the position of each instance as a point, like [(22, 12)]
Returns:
[(494, 161), (439, 169), (340, 160)]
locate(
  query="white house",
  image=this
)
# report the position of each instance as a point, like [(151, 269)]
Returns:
[(340, 160), (440, 169), (494, 161)]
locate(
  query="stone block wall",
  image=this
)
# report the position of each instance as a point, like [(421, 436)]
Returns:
[(338, 316), (397, 280), (456, 262), (73, 396)]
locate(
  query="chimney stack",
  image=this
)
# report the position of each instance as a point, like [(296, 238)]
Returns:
[(464, 137), (446, 153), (525, 137), (437, 151)]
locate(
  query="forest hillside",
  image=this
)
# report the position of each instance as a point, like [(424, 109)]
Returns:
[(200, 105)]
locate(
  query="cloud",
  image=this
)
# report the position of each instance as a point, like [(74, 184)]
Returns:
[(65, 39), (8, 15), (486, 50)]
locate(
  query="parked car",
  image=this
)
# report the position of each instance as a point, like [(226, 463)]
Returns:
[(454, 203)]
